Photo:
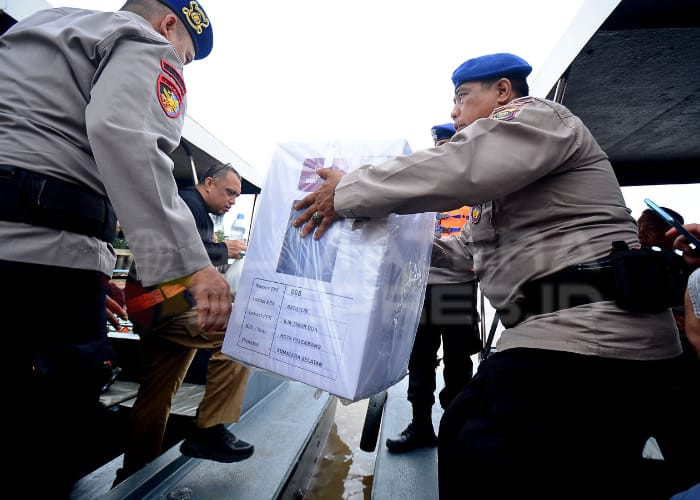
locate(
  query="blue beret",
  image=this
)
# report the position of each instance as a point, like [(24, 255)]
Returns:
[(444, 131), (491, 66), (197, 23)]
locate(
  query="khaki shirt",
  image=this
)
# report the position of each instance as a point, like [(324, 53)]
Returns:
[(546, 198), (451, 261), (80, 102)]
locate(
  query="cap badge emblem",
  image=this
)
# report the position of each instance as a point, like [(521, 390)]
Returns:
[(195, 17)]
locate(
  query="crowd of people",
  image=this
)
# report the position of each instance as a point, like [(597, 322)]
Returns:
[(585, 372)]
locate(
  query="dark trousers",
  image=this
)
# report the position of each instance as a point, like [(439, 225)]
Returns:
[(449, 313), (547, 424), (678, 434), (54, 329)]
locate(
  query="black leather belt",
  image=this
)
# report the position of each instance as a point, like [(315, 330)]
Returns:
[(41, 200)]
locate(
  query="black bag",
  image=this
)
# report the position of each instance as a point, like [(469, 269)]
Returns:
[(648, 280), (42, 200)]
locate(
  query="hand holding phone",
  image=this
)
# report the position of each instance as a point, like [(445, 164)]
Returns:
[(693, 242)]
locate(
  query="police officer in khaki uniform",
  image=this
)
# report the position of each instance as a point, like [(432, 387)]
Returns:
[(449, 317), (92, 103), (564, 408)]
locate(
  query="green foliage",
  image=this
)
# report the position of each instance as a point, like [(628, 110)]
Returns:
[(120, 243)]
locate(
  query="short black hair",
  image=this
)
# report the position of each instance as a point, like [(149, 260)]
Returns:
[(650, 217), (219, 171), (519, 84), (146, 8)]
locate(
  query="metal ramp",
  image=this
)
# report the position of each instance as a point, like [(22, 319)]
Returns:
[(404, 476), (288, 423)]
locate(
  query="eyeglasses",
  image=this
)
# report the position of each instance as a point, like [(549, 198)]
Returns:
[(459, 98)]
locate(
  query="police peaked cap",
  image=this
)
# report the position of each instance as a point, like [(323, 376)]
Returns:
[(491, 66), (444, 131), (197, 23)]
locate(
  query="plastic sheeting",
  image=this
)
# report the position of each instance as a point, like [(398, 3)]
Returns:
[(339, 313)]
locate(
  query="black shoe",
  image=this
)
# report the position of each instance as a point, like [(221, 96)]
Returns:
[(413, 437), (121, 476), (216, 443)]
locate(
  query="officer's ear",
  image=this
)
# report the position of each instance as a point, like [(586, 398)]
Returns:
[(504, 91), (168, 25)]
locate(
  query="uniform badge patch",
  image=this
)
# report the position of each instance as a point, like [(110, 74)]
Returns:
[(476, 214), (509, 111), (506, 114), (173, 73), (169, 97)]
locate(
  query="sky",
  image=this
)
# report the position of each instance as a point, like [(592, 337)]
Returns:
[(321, 70)]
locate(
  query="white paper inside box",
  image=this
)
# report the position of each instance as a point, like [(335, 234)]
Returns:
[(339, 313)]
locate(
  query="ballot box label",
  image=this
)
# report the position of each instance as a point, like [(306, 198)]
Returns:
[(294, 325)]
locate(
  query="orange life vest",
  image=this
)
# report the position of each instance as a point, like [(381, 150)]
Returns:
[(451, 223)]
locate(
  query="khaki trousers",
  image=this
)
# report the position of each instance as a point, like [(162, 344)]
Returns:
[(168, 352)]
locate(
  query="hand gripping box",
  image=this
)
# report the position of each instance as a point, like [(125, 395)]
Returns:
[(339, 313)]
